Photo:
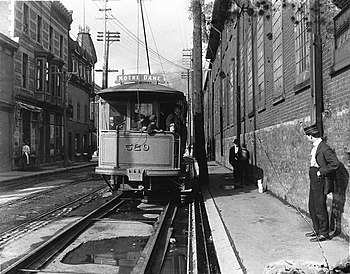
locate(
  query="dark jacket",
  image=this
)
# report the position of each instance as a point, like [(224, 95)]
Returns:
[(329, 163), (326, 159), (234, 157)]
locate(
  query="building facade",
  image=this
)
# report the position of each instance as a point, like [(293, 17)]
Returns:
[(81, 128), (41, 60), (8, 47), (52, 83), (276, 67)]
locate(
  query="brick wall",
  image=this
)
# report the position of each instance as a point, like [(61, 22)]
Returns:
[(274, 134)]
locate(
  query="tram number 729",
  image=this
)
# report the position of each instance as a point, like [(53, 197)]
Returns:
[(137, 147)]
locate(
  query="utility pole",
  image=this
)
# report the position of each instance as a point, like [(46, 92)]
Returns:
[(187, 62), (108, 38), (198, 119)]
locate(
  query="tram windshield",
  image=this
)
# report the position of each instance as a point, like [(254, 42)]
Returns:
[(117, 115)]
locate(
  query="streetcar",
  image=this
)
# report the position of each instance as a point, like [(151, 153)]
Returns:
[(129, 157)]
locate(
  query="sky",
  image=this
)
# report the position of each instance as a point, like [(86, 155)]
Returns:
[(168, 30)]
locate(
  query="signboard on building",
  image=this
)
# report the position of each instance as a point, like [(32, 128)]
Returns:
[(149, 78)]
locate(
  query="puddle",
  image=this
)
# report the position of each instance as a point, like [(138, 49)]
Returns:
[(123, 252)]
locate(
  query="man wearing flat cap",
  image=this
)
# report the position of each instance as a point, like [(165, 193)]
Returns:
[(323, 164)]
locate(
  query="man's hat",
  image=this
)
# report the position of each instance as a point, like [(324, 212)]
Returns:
[(152, 118), (311, 130), (235, 141)]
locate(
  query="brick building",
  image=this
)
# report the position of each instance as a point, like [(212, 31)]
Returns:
[(275, 67), (8, 47)]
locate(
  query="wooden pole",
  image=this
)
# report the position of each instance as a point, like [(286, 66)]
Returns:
[(199, 147)]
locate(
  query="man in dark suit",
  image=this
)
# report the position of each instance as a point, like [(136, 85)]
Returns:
[(235, 160), (323, 164)]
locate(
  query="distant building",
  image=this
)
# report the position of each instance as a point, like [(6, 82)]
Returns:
[(8, 47), (81, 128)]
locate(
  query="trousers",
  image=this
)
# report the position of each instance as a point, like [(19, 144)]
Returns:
[(317, 203)]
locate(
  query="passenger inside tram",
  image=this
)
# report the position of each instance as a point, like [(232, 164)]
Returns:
[(117, 116), (152, 128)]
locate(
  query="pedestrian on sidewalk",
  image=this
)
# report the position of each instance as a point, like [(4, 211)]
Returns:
[(25, 159), (323, 164), (235, 155)]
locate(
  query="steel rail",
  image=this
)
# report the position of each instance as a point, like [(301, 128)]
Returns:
[(38, 257), (3, 235), (151, 259), (191, 242)]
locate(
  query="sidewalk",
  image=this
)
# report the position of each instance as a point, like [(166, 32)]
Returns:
[(260, 228), (19, 174)]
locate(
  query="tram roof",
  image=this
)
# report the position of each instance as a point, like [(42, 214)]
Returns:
[(134, 91)]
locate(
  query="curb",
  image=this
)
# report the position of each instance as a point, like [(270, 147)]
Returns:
[(228, 261)]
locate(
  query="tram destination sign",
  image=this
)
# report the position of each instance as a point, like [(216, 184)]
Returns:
[(150, 78)]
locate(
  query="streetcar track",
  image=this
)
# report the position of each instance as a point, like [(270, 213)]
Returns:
[(44, 192), (11, 234), (45, 252)]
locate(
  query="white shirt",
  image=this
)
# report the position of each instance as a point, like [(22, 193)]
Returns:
[(315, 144)]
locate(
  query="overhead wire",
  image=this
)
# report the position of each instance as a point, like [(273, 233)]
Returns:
[(132, 42)]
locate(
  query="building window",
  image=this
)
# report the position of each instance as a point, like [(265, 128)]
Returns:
[(342, 36), (260, 62), (38, 29), (25, 18), (86, 116), (250, 69), (51, 39), (302, 43), (59, 83), (231, 103), (52, 134), (78, 111), (47, 77), (88, 75), (39, 75), (24, 70), (58, 134), (277, 48), (53, 82), (61, 46), (342, 39), (75, 65), (242, 73), (80, 70), (77, 142)]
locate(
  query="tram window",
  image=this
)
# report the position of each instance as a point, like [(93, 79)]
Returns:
[(138, 110), (117, 115)]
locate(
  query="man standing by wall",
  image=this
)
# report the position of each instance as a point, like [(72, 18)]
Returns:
[(235, 161), (323, 164)]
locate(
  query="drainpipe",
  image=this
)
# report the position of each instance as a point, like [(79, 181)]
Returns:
[(316, 69)]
